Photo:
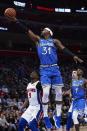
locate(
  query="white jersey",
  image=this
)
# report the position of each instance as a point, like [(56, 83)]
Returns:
[(33, 94)]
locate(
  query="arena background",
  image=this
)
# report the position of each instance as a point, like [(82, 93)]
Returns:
[(18, 56)]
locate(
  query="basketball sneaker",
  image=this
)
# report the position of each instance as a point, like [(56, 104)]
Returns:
[(57, 121), (47, 123)]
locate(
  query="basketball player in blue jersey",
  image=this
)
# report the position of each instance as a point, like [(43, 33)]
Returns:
[(31, 116), (50, 75), (77, 107), (69, 123)]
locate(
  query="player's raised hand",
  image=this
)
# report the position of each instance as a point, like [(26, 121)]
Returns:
[(77, 59), (10, 14)]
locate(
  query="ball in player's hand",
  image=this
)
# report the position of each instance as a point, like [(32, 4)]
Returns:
[(10, 12)]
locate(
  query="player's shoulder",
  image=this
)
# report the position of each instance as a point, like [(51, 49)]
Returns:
[(28, 85), (56, 41)]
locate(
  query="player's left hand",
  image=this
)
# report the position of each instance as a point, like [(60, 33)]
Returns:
[(77, 59), (12, 19)]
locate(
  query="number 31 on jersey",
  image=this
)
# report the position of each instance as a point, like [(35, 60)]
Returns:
[(46, 50)]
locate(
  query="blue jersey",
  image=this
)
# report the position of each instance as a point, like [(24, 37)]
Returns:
[(78, 89), (47, 52)]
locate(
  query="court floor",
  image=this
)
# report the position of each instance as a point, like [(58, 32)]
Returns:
[(82, 128)]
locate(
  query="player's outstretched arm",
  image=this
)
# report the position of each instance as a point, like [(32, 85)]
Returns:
[(10, 14), (67, 51), (35, 38)]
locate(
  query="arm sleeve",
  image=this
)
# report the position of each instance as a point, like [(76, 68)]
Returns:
[(22, 26), (68, 52)]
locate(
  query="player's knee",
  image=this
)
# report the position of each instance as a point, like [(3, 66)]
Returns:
[(46, 91), (58, 93)]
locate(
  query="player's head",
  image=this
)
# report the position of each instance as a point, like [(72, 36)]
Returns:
[(74, 74), (47, 32), (34, 75), (79, 72)]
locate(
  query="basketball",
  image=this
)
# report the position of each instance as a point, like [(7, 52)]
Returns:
[(10, 12)]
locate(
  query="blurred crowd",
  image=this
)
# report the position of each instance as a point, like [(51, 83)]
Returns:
[(14, 77)]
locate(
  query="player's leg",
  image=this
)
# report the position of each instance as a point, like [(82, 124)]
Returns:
[(36, 115), (22, 124), (57, 84), (78, 109), (45, 100), (58, 101), (46, 85), (33, 125), (25, 119), (85, 112), (69, 122), (82, 111), (75, 119)]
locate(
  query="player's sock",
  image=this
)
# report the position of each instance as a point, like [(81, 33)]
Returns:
[(69, 123), (45, 110), (57, 118), (22, 124), (33, 125), (46, 118), (58, 109), (47, 122)]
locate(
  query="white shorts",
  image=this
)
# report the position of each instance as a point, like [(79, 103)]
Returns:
[(31, 113)]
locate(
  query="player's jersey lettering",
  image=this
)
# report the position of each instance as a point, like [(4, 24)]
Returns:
[(33, 94), (47, 52), (78, 89), (29, 95)]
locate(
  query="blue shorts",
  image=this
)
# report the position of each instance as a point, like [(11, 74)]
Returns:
[(79, 104), (51, 75)]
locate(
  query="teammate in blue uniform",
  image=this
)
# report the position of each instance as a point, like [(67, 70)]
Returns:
[(69, 123), (77, 108), (50, 75)]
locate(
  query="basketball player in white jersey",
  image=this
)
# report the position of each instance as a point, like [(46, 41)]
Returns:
[(31, 115)]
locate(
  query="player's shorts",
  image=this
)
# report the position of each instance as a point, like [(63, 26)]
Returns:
[(79, 105), (51, 75), (32, 112)]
